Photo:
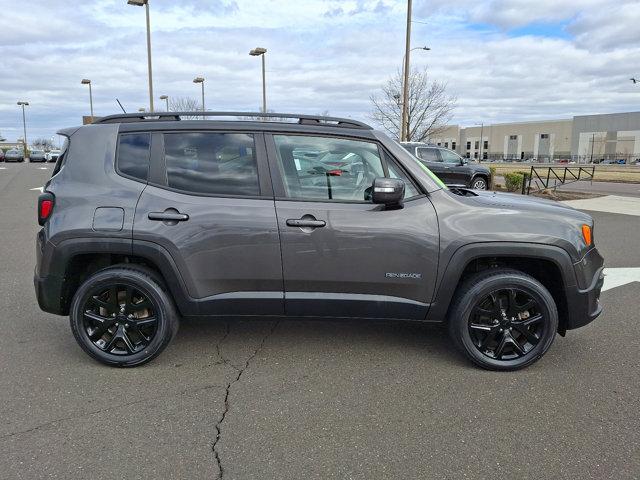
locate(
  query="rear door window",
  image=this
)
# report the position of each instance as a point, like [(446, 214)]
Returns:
[(429, 154), (212, 163)]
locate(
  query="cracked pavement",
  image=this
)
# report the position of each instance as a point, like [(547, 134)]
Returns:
[(310, 399)]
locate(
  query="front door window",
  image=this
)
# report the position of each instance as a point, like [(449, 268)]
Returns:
[(332, 169)]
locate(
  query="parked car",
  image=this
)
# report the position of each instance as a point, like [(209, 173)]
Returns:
[(14, 155), (37, 155), (146, 221), (450, 167), (52, 155), (1, 155)]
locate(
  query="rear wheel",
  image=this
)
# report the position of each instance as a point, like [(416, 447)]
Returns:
[(503, 319), (122, 316)]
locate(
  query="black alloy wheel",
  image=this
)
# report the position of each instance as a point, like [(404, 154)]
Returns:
[(119, 319), (506, 324), (123, 315), (503, 319)]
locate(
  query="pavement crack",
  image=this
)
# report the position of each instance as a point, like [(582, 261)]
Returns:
[(106, 409), (239, 372)]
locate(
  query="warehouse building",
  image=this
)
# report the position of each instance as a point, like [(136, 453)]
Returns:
[(584, 138)]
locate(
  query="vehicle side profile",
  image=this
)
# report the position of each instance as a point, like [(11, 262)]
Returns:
[(152, 218), (450, 167), (14, 155)]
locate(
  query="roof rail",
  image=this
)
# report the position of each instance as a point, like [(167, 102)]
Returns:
[(240, 116)]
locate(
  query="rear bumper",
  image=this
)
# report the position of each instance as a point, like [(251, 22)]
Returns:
[(49, 294)]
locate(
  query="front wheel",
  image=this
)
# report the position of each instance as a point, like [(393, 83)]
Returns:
[(122, 316), (479, 183), (503, 319)]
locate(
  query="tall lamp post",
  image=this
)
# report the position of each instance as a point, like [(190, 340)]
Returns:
[(405, 119), (166, 98), (86, 81), (145, 3), (405, 87), (404, 58), (200, 80), (260, 52), (24, 127)]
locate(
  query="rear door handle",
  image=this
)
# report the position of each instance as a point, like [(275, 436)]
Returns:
[(168, 216), (303, 222)]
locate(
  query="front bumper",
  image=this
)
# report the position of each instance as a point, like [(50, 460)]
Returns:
[(583, 299)]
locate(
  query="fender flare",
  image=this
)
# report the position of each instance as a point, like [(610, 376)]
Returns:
[(57, 258), (452, 272)]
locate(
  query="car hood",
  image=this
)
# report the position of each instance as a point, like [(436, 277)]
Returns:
[(524, 203)]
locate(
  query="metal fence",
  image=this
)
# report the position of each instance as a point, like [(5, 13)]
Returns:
[(610, 159), (545, 178)]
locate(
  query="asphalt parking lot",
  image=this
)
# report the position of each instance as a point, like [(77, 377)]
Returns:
[(305, 399)]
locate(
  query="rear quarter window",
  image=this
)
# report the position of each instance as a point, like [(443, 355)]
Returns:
[(133, 155)]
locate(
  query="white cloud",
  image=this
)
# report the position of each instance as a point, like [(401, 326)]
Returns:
[(323, 55)]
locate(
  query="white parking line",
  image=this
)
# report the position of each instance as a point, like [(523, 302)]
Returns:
[(40, 189), (617, 277), (609, 203)]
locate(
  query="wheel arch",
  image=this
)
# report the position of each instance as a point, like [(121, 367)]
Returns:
[(548, 264), (74, 260), (485, 176)]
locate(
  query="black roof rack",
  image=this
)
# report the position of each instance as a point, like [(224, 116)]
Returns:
[(240, 116)]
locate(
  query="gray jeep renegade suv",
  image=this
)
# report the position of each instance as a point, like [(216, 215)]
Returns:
[(152, 217)]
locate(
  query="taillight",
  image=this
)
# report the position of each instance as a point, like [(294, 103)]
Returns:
[(46, 202)]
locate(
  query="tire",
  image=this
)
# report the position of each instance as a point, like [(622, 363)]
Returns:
[(479, 183), (145, 316), (473, 315)]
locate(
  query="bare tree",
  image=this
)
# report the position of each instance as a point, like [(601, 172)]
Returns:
[(430, 108), (43, 143), (184, 104)]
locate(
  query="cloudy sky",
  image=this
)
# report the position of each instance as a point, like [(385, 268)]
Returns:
[(505, 60)]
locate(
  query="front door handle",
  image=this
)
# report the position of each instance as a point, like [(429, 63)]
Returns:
[(304, 222), (169, 216)]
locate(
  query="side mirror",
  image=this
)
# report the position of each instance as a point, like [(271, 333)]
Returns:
[(463, 161), (388, 192)]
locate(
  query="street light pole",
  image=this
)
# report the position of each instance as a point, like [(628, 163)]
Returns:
[(145, 3), (86, 81), (166, 98), (261, 52), (200, 80), (404, 130), (24, 126)]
